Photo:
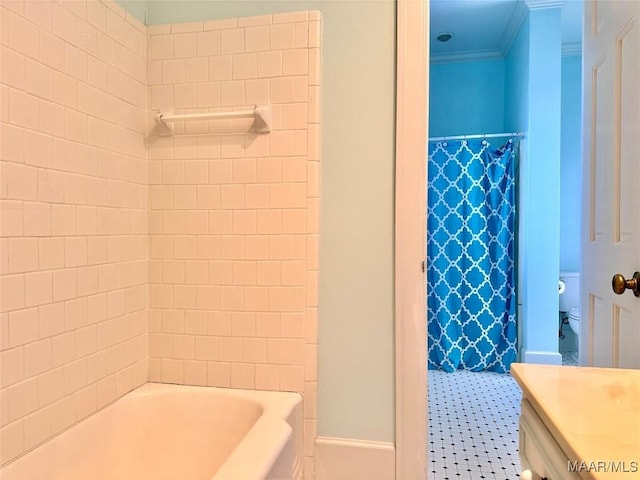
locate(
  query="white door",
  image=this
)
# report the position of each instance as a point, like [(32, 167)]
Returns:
[(610, 323)]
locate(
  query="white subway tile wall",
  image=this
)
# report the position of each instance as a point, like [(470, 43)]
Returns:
[(215, 227), (73, 215), (233, 217)]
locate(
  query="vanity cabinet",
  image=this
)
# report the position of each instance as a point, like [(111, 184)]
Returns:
[(577, 416), (540, 454)]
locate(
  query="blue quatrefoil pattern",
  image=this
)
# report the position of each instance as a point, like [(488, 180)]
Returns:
[(471, 296)]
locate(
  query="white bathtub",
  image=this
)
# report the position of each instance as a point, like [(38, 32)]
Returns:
[(161, 431)]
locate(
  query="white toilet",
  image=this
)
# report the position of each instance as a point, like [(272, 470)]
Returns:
[(570, 298)]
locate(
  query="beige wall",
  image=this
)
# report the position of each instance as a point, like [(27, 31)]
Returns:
[(73, 209), (234, 215)]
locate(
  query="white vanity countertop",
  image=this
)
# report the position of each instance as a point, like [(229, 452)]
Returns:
[(593, 413)]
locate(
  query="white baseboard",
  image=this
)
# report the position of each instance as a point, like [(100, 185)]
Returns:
[(345, 458), (544, 358)]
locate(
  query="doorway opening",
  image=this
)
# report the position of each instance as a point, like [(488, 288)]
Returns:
[(485, 258)]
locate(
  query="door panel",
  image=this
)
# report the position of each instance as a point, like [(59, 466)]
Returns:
[(627, 154), (603, 116), (610, 324), (628, 327)]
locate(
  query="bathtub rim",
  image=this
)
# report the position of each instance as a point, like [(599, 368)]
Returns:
[(271, 428), (249, 458)]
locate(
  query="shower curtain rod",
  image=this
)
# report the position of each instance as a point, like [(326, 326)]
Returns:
[(472, 137)]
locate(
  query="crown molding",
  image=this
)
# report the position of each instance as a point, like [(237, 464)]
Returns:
[(513, 27), (539, 4), (463, 57), (568, 49), (572, 49)]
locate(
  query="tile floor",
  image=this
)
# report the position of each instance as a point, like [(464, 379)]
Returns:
[(473, 424), (570, 358)]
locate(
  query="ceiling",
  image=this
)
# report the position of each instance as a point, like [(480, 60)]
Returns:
[(487, 27)]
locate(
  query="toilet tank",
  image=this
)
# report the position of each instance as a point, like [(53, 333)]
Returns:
[(571, 296)]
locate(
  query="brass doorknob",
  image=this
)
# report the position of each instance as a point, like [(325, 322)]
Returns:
[(620, 284)]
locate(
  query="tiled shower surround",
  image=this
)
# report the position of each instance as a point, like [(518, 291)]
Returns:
[(73, 216), (128, 256), (234, 217)]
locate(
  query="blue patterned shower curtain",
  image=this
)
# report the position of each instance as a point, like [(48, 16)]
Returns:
[(471, 274)]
